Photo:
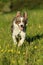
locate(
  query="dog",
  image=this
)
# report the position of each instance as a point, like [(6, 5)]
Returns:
[(17, 29)]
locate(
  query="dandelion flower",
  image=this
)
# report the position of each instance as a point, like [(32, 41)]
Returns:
[(35, 47)]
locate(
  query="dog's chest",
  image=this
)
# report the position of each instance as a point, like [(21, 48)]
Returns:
[(16, 29)]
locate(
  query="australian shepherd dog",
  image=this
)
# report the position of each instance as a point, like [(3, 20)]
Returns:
[(18, 29)]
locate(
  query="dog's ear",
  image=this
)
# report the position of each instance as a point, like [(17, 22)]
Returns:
[(25, 15), (17, 21), (18, 14)]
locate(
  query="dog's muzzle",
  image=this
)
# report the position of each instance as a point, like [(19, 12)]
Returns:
[(22, 26)]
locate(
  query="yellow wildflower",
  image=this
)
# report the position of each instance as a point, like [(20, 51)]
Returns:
[(38, 60), (35, 47), (11, 50), (19, 61), (39, 26), (2, 50), (23, 53), (13, 61), (18, 52), (5, 50)]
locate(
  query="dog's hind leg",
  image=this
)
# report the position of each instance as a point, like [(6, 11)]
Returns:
[(22, 38)]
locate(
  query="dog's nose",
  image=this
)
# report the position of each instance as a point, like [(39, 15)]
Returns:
[(22, 26)]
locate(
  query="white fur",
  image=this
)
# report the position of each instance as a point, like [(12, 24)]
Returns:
[(16, 31), (21, 23)]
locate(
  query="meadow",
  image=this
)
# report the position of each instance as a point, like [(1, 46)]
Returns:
[(31, 52)]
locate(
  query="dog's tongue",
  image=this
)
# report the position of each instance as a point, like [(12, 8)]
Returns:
[(21, 28)]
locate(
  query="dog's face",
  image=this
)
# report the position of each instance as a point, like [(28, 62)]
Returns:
[(20, 21)]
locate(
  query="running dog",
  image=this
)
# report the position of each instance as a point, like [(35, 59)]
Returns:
[(18, 30)]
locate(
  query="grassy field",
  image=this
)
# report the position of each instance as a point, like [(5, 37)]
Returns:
[(31, 52)]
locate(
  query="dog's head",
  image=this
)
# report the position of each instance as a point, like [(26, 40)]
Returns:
[(21, 20)]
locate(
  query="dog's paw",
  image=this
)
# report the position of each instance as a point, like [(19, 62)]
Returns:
[(19, 44)]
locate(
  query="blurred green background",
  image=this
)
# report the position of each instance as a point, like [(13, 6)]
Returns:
[(30, 53), (12, 5)]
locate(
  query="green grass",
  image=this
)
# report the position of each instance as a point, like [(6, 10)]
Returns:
[(26, 54)]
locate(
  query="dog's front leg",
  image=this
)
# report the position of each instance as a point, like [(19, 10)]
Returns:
[(22, 38), (14, 39)]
